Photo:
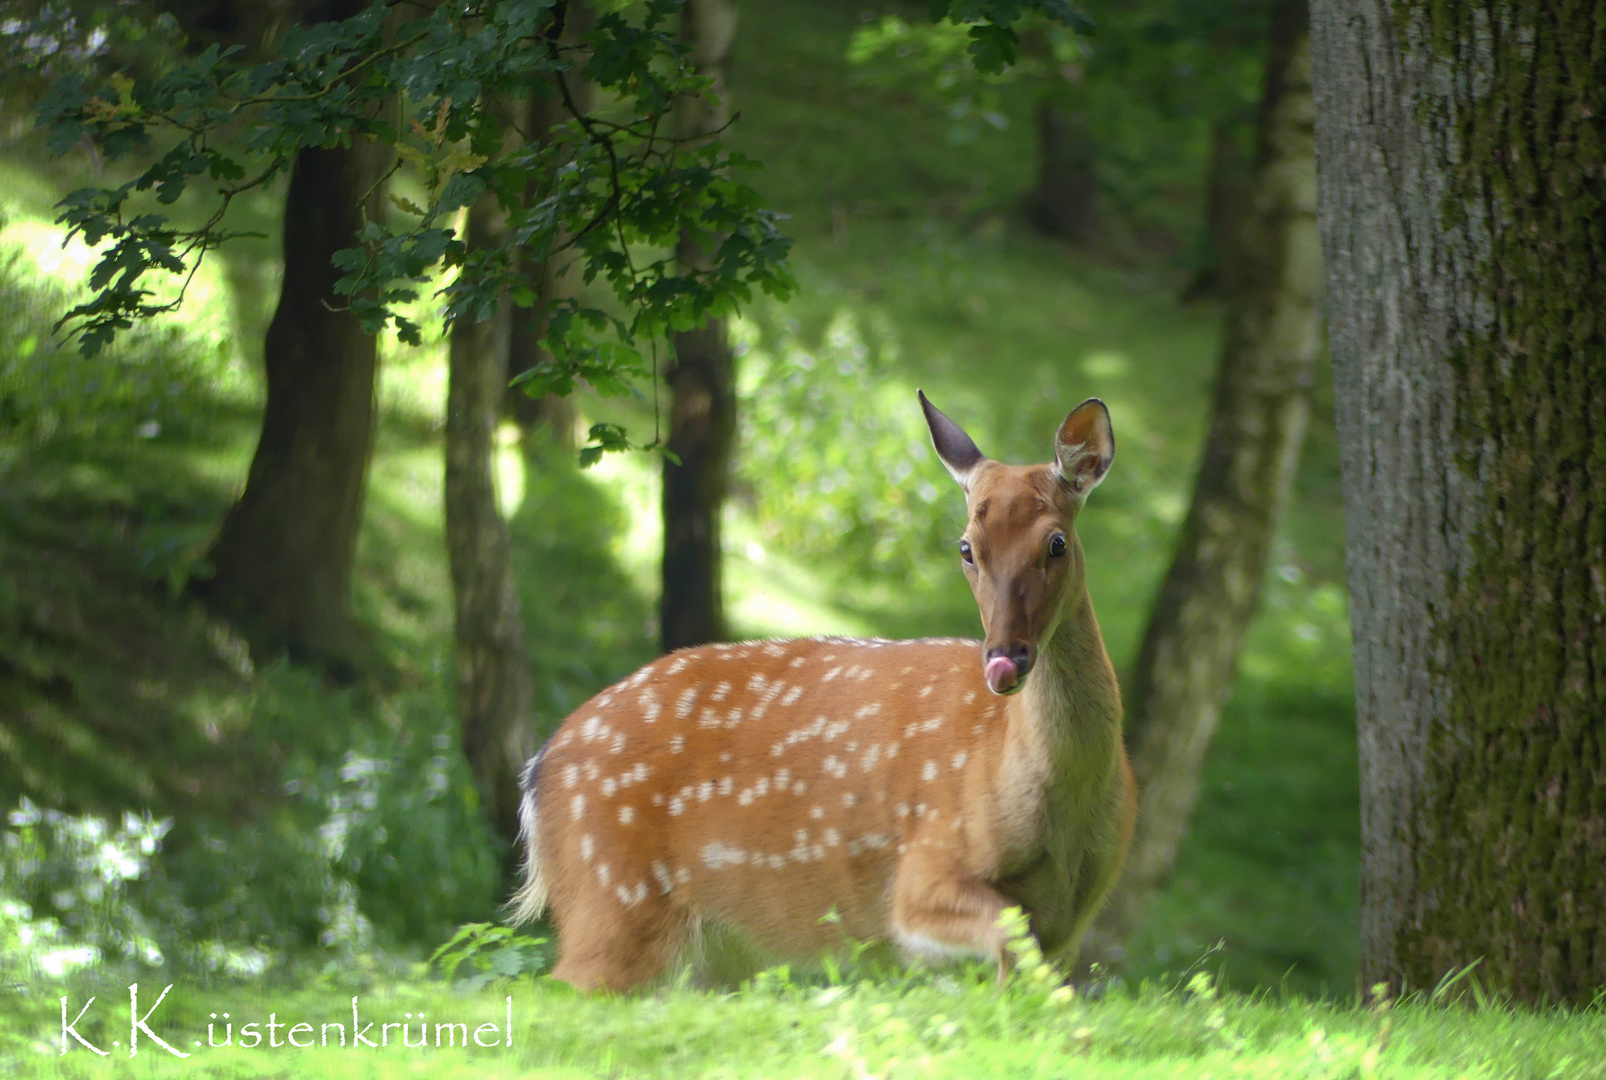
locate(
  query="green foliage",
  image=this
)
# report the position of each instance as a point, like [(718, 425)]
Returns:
[(493, 954), (160, 380), (620, 189), (63, 882), (836, 458)]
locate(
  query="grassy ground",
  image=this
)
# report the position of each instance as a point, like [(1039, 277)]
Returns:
[(915, 1026), (115, 691)]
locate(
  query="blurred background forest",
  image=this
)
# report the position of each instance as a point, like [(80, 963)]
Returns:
[(178, 797)]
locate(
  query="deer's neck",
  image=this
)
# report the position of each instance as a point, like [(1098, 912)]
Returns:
[(1071, 704)]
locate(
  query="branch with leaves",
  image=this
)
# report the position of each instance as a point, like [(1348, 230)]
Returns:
[(612, 183)]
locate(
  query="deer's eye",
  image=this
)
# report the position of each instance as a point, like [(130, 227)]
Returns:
[(964, 551), (1056, 545)]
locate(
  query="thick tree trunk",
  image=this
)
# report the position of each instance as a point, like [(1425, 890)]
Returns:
[(702, 380), (1461, 152), (1190, 649), (494, 688), (282, 561), (1065, 202)]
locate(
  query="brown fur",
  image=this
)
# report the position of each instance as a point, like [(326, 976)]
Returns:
[(766, 785)]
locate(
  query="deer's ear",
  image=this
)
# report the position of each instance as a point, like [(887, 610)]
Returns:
[(958, 453), (1084, 447)]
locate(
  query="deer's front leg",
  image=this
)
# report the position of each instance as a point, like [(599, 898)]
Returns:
[(941, 913)]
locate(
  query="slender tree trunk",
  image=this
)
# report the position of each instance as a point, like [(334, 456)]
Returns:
[(702, 379), (1461, 150), (282, 561), (1065, 202), (1190, 649), (549, 411), (1224, 208), (494, 687)]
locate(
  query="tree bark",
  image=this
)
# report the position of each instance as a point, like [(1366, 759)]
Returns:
[(1262, 402), (702, 381), (555, 414), (1461, 152), (494, 685), (1065, 202), (282, 561)]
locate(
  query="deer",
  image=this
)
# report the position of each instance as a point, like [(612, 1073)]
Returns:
[(803, 794)]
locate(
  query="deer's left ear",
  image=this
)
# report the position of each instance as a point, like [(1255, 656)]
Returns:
[(1084, 447)]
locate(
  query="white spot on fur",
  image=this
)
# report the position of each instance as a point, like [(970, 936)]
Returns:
[(603, 874), (848, 799), (792, 695), (577, 807), (970, 695), (867, 710), (817, 813), (829, 675), (799, 788), (925, 692), (677, 666), (677, 744), (661, 874), (705, 791), (959, 759), (798, 661), (588, 847), (683, 704), (627, 814), (726, 785), (609, 787), (928, 771), (717, 856), (677, 806), (871, 756), (571, 775), (720, 692), (832, 838)]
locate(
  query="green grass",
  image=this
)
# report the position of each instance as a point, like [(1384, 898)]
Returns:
[(921, 1025)]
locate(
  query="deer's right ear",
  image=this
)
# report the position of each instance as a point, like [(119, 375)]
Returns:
[(958, 453)]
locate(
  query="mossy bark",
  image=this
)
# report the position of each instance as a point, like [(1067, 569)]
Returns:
[(1190, 647), (1462, 179), (494, 683), (702, 381)]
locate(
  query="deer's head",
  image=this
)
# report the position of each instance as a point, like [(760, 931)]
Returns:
[(1019, 550)]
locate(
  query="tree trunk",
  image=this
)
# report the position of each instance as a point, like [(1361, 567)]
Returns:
[(527, 350), (1190, 648), (1225, 195), (1461, 152), (494, 688), (282, 561), (1065, 202), (702, 381)]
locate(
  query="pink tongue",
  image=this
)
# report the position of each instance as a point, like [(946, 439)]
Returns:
[(1000, 674)]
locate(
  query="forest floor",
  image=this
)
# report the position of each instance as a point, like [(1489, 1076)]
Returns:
[(916, 270)]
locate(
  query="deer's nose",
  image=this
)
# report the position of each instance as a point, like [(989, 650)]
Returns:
[(1006, 668)]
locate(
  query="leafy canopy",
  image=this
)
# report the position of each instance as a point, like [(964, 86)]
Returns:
[(613, 183)]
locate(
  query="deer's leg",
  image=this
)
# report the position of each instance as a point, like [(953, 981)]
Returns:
[(941, 913), (605, 943)]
